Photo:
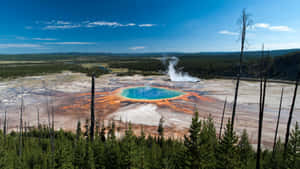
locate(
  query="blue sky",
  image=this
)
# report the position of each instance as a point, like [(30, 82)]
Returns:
[(44, 26)]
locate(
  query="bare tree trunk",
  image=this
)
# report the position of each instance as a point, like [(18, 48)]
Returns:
[(5, 125), (92, 108), (224, 108), (52, 130), (245, 24), (38, 117), (262, 94), (277, 125), (290, 120), (21, 124), (261, 116), (38, 122)]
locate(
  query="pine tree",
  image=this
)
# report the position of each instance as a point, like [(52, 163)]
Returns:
[(192, 142), (277, 160), (99, 155), (78, 130), (112, 131), (293, 152), (102, 133), (208, 142), (245, 150), (227, 152), (129, 150), (160, 130), (86, 126), (79, 153)]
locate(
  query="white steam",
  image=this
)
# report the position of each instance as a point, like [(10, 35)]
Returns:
[(178, 76)]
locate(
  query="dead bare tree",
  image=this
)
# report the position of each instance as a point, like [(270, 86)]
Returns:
[(47, 105), (92, 108), (277, 125), (21, 122), (245, 23), (262, 95), (261, 116), (290, 120), (38, 117), (220, 132), (5, 125)]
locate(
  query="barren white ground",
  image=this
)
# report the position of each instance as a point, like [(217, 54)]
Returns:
[(38, 89)]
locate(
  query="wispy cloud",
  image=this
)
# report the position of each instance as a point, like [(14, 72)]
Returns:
[(103, 23), (70, 43), (54, 25), (137, 48), (146, 25), (63, 22), (226, 32), (17, 45), (273, 28), (44, 39)]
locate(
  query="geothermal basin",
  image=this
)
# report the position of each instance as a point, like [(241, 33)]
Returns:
[(143, 100)]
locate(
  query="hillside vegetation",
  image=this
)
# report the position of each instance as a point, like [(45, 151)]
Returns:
[(201, 148)]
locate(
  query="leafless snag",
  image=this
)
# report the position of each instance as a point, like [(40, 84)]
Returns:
[(245, 23), (220, 133), (22, 109), (277, 125), (92, 108), (290, 120), (5, 125), (263, 84)]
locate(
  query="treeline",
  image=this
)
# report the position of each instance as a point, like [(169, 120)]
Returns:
[(21, 70), (283, 67), (200, 149)]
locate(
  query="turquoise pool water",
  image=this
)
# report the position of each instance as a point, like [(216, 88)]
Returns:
[(149, 93)]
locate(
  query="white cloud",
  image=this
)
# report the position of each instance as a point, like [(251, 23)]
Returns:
[(44, 39), (63, 23), (226, 32), (103, 23), (53, 24), (131, 24), (273, 28), (70, 43), (280, 28), (16, 45), (146, 25), (261, 25), (53, 27), (137, 48)]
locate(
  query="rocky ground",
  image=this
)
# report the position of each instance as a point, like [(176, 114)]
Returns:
[(67, 94)]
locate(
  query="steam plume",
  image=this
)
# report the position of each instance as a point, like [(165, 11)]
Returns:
[(178, 76)]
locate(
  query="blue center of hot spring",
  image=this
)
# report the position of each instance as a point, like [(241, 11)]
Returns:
[(149, 93)]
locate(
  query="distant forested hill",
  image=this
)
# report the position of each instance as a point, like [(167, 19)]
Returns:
[(278, 64)]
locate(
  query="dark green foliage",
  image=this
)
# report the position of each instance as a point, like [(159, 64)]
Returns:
[(245, 151), (201, 149), (227, 151), (293, 152)]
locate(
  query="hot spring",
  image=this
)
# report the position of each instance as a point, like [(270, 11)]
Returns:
[(149, 93)]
